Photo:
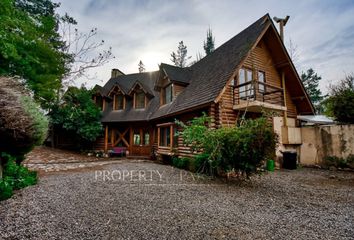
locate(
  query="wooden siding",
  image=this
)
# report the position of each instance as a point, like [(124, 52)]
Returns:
[(226, 115), (181, 150), (260, 59), (177, 89)]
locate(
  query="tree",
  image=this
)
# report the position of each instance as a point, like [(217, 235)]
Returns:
[(340, 103), (180, 58), (43, 49), (293, 52), (141, 67), (23, 124), (209, 44), (310, 79), (78, 114), (86, 52), (30, 46)]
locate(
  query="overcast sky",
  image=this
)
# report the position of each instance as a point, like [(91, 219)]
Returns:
[(323, 31)]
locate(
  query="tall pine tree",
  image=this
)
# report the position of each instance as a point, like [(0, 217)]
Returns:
[(141, 67), (310, 79), (180, 58), (209, 44)]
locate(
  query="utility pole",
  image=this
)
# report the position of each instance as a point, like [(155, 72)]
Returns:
[(282, 22)]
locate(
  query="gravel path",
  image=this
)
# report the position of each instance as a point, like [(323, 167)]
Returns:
[(167, 203)]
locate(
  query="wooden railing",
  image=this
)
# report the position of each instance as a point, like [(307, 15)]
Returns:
[(258, 91)]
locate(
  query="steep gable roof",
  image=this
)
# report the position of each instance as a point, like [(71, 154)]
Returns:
[(292, 78), (210, 75), (145, 88), (206, 79), (127, 82)]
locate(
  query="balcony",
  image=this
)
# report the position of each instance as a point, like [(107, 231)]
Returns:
[(254, 96)]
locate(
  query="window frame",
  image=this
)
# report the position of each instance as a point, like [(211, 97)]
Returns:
[(136, 132), (146, 133), (246, 91), (136, 99), (116, 101), (261, 87), (166, 136), (165, 99)]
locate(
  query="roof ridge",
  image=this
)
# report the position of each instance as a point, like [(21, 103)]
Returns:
[(131, 74), (264, 17)]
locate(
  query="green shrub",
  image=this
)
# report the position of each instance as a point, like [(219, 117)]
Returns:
[(203, 164), (5, 188), (18, 176), (40, 121), (340, 103), (181, 162), (242, 149), (23, 123), (78, 115), (333, 161)]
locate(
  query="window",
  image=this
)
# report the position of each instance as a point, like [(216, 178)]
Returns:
[(139, 100), (136, 137), (162, 137), (146, 138), (175, 137), (245, 76), (118, 102), (168, 96), (168, 136), (165, 136), (261, 79)]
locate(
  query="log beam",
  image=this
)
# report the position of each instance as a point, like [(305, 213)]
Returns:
[(106, 139)]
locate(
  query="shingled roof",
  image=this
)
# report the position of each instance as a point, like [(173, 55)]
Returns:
[(127, 82), (177, 74), (210, 74), (205, 79)]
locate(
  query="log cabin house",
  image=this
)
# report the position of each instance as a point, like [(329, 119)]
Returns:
[(250, 72)]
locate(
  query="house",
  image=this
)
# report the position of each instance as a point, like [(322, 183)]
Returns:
[(249, 73)]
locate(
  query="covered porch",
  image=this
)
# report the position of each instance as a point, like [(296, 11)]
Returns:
[(137, 139)]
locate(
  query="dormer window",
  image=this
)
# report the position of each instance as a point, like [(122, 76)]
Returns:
[(118, 102), (139, 99), (167, 95)]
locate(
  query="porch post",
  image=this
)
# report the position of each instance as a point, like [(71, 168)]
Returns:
[(106, 139), (284, 93), (171, 137), (112, 136)]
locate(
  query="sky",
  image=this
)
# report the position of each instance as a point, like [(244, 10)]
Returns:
[(321, 31)]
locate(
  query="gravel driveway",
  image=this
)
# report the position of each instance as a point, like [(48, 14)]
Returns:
[(111, 202)]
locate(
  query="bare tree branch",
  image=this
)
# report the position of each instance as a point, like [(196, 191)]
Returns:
[(293, 51), (86, 51)]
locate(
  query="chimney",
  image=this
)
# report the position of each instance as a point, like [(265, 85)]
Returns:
[(282, 22), (116, 72)]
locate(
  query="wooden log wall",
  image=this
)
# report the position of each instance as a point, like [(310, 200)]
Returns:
[(261, 60), (226, 115), (99, 144)]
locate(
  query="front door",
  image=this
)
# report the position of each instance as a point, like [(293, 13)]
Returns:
[(141, 142)]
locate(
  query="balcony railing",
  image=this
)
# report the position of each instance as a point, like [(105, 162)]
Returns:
[(258, 91)]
